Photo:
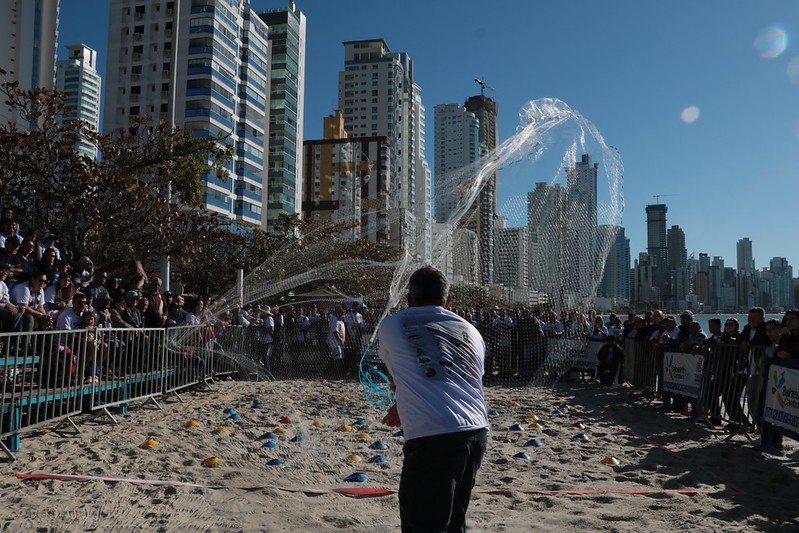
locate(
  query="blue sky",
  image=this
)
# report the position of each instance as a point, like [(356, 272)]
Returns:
[(631, 67)]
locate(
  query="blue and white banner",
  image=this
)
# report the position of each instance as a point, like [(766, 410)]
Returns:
[(682, 373), (781, 405)]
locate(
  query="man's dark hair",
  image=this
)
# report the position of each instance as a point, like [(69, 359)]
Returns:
[(759, 310), (774, 322), (428, 286), (714, 321)]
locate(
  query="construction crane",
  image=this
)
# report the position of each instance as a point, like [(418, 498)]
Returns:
[(483, 86), (657, 197)]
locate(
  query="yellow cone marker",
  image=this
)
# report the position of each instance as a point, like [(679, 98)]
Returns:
[(289, 401), (514, 404), (363, 436), (296, 412), (354, 457), (344, 427), (343, 399), (279, 431), (318, 424), (222, 429), (610, 460), (148, 443), (211, 461), (192, 424), (532, 416)]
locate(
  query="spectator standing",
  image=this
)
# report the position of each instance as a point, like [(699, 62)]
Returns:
[(336, 337), (10, 317)]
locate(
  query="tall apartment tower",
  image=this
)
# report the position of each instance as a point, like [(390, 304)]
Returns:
[(582, 180), (201, 65), (77, 78), (677, 258), (286, 111), (746, 263), (546, 222), (483, 213), (457, 146), (30, 30), (379, 97), (616, 276), (656, 245)]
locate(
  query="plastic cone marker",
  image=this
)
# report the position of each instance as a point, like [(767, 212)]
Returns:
[(296, 411), (516, 427), (318, 424), (514, 404), (192, 424), (363, 436), (257, 406), (298, 438), (148, 443), (360, 422), (533, 442), (493, 413), (316, 400), (289, 401), (270, 444), (268, 435), (229, 411), (399, 433), (275, 462), (535, 425), (211, 461), (610, 460), (581, 437), (344, 427), (522, 455), (378, 459), (221, 429), (234, 417), (578, 425), (279, 431), (566, 406), (557, 411), (285, 420), (532, 417), (378, 445), (356, 478), (343, 399), (354, 457)]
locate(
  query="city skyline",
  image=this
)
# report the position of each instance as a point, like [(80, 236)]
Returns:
[(706, 122)]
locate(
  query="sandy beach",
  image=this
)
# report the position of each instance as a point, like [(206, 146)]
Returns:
[(671, 474)]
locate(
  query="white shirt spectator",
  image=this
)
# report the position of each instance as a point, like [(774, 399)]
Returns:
[(22, 294), (335, 326), (68, 319), (4, 295)]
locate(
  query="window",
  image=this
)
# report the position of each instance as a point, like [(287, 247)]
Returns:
[(133, 110)]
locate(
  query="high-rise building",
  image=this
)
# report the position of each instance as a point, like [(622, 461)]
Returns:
[(77, 78), (715, 280), (379, 97), (581, 180), (480, 217), (346, 180), (203, 67), (746, 262), (656, 246), (457, 147), (511, 255), (547, 231), (677, 258), (286, 111), (28, 56), (782, 290), (616, 276), (643, 279)]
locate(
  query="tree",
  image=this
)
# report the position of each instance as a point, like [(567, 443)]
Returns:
[(115, 207)]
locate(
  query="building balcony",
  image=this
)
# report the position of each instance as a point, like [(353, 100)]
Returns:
[(138, 36)]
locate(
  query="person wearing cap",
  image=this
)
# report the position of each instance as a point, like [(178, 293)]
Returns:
[(131, 314), (10, 317), (102, 311), (49, 241)]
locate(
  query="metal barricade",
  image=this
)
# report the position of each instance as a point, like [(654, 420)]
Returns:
[(42, 381), (731, 388), (128, 365), (185, 356), (640, 365)]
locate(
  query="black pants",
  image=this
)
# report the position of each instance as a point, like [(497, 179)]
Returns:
[(438, 474)]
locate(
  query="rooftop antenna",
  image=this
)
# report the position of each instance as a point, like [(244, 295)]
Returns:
[(483, 85), (657, 197)]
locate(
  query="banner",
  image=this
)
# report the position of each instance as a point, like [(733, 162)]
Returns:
[(586, 357), (682, 373), (781, 406)]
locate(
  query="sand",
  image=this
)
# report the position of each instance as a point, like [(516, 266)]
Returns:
[(731, 487)]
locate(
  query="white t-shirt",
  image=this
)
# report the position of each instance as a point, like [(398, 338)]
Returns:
[(335, 326), (4, 295), (22, 294), (436, 360), (68, 319)]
